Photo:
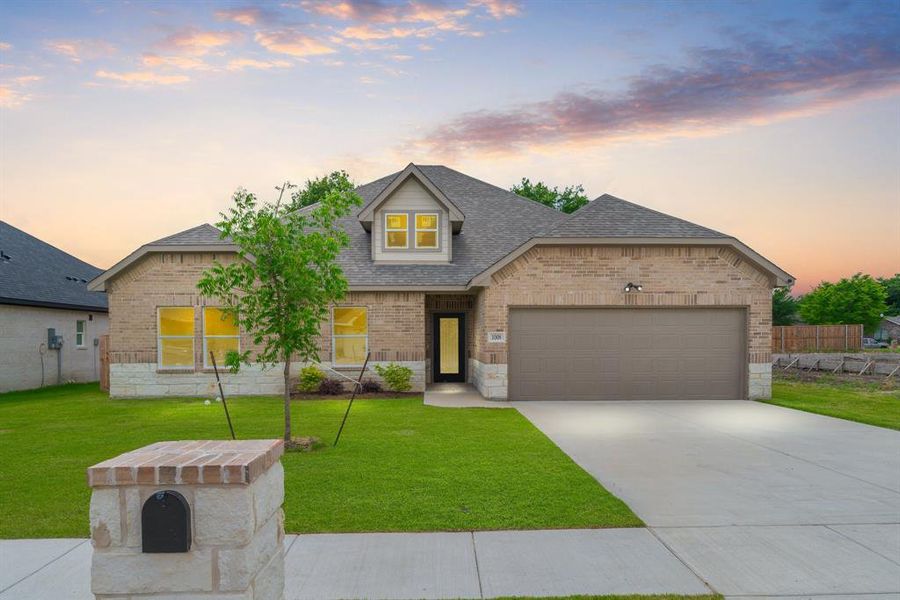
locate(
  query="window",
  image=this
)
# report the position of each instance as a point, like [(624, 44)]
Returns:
[(220, 335), (79, 334), (175, 349), (426, 230), (396, 226), (350, 334)]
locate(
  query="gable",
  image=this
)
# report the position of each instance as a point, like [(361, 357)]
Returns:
[(411, 172)]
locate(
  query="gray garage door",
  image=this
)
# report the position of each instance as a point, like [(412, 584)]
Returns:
[(626, 354)]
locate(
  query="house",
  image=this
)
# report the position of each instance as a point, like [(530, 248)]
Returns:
[(464, 281), (44, 295), (888, 329)]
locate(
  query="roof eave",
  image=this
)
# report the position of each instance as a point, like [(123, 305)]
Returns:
[(59, 305), (781, 277), (98, 284)]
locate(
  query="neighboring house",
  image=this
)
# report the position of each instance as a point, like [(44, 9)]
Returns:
[(888, 329), (463, 281), (42, 288)]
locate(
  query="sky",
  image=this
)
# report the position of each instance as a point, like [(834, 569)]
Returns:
[(775, 122)]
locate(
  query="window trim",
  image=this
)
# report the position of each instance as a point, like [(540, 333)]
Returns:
[(436, 230), (387, 229), (83, 333), (159, 338), (335, 336), (206, 363)]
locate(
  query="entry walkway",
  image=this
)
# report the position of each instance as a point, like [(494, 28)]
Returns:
[(481, 564), (459, 395)]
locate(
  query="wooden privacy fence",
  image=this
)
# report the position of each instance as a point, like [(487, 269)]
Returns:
[(816, 338), (104, 363)]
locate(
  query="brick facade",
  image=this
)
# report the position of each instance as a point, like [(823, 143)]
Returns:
[(595, 276), (400, 323), (396, 330)]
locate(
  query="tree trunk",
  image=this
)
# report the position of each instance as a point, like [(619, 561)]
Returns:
[(287, 399)]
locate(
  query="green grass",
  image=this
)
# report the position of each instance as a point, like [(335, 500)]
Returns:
[(400, 466), (845, 401), (628, 597)]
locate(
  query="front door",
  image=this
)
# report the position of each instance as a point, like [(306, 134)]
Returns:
[(449, 347)]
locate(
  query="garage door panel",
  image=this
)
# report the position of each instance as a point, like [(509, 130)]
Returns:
[(626, 354)]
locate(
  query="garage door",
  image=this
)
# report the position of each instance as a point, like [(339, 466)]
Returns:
[(626, 354)]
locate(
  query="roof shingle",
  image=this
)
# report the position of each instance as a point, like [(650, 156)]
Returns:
[(33, 272)]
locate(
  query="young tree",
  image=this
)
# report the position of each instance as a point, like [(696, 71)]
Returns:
[(859, 299), (784, 307), (288, 277), (568, 201)]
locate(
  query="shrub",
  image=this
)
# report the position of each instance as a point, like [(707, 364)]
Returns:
[(331, 387), (396, 376), (370, 386), (310, 378)]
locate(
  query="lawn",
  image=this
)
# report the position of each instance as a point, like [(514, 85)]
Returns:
[(626, 597), (400, 466), (854, 402)]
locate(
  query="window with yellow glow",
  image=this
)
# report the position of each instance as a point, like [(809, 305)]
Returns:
[(350, 334), (396, 230), (426, 230), (221, 335), (175, 330)]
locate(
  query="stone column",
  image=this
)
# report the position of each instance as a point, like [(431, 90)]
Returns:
[(234, 490)]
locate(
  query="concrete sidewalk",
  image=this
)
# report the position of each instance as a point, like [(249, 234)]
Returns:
[(481, 564)]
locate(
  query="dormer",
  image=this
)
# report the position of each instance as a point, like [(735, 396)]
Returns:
[(412, 221)]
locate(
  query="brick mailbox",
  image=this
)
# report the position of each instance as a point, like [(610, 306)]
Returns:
[(200, 518)]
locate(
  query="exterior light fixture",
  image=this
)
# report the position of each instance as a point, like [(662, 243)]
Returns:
[(633, 287)]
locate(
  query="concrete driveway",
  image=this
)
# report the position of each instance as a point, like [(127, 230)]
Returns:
[(756, 499)]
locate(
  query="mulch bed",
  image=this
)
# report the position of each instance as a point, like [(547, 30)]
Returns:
[(346, 396)]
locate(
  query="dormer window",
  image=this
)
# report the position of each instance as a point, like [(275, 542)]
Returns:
[(426, 230), (396, 228)]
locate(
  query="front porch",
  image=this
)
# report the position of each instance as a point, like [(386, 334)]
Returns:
[(459, 395)]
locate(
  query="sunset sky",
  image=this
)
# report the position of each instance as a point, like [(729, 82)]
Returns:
[(776, 122)]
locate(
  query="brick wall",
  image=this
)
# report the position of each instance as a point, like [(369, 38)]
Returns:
[(396, 319), (396, 326), (596, 275)]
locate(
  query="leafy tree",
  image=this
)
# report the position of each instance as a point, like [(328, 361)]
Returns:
[(281, 290), (316, 189), (859, 299), (568, 201), (892, 287), (784, 307)]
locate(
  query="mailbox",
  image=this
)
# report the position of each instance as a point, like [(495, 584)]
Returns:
[(166, 523)]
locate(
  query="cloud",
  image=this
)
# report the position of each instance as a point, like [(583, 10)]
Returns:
[(292, 42), (13, 93), (195, 42), (247, 15), (186, 63), (377, 20), (752, 82), (142, 78), (239, 64), (366, 33), (5, 45), (499, 9), (79, 50), (371, 11)]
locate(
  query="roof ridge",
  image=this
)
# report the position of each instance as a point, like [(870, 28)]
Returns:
[(189, 229), (496, 187), (653, 210)]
